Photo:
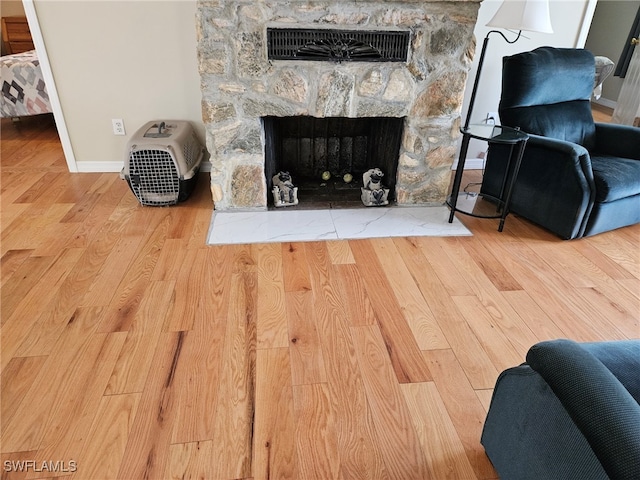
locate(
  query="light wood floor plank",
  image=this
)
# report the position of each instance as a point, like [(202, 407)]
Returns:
[(399, 340), (13, 184), (632, 285), (574, 268), (340, 252), (316, 445), (545, 292), (296, 276), (187, 294), (206, 318), (510, 324), (170, 259), (415, 310), (611, 268), (274, 450), (23, 280), (16, 380), (190, 461), (307, 361), (147, 451), (112, 425), (66, 432), (62, 236), (623, 249), (434, 249), (485, 398), (126, 301), (360, 455), (354, 296), (538, 321), (48, 392), (42, 220), (471, 355), (462, 406), (502, 352), (110, 272), (134, 363), (197, 392), (618, 309), (434, 427), (51, 323), (499, 276), (235, 410), (402, 452), (10, 262), (273, 329)]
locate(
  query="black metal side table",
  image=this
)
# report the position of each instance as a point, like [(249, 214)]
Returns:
[(459, 202)]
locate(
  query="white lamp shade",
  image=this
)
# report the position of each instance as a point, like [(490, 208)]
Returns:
[(530, 15)]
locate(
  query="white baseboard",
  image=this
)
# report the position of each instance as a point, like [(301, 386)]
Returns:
[(470, 164), (605, 102), (99, 167)]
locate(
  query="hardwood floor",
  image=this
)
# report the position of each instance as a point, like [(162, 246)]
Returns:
[(135, 351), (601, 113)]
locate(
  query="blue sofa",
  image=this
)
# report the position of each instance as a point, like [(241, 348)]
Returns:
[(572, 411), (577, 177)]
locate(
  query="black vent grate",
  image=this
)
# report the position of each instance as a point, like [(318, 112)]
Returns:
[(337, 45)]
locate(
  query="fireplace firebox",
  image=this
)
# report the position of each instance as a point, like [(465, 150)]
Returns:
[(309, 147)]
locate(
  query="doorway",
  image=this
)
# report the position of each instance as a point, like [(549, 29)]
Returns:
[(36, 34)]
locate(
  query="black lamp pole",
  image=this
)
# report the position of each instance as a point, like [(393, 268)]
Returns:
[(474, 91)]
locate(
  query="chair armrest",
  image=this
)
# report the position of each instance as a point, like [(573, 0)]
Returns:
[(554, 187), (528, 434), (561, 146), (618, 140), (602, 409), (564, 154)]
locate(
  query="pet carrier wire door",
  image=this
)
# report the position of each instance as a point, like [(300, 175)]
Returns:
[(163, 161)]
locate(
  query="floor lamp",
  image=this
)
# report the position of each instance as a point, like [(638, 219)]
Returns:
[(529, 15)]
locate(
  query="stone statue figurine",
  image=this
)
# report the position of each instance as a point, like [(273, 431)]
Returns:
[(284, 192), (374, 194)]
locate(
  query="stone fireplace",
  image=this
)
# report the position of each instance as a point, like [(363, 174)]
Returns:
[(242, 86)]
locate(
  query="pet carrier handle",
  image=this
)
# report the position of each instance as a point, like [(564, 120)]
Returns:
[(161, 127)]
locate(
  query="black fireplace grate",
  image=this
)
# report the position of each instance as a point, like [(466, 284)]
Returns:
[(337, 45)]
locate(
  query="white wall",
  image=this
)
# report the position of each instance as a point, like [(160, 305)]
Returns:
[(134, 60)]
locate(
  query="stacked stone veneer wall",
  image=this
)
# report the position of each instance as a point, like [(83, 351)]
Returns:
[(240, 85)]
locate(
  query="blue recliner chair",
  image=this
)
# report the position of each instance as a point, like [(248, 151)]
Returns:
[(572, 411), (577, 177)]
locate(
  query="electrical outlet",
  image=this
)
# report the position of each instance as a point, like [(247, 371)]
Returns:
[(118, 126), (492, 118)]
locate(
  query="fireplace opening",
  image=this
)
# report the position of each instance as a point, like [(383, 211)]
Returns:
[(312, 149)]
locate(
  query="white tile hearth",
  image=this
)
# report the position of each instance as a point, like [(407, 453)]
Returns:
[(310, 225)]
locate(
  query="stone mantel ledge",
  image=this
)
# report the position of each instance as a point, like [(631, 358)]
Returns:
[(240, 85)]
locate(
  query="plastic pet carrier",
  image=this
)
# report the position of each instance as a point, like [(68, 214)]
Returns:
[(163, 162)]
